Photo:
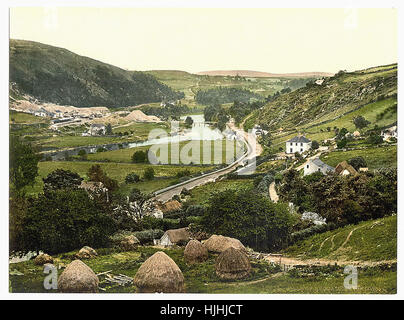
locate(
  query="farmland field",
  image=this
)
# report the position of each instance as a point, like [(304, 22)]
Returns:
[(208, 151), (378, 157)]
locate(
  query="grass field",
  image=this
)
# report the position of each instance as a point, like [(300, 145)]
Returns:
[(26, 118), (201, 278), (200, 195), (378, 157), (205, 152), (117, 171), (373, 240), (141, 129)]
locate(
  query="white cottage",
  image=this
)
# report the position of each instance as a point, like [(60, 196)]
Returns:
[(316, 165), (298, 144), (97, 129)]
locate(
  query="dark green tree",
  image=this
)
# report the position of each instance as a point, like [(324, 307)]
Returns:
[(149, 174), (139, 157), (62, 179), (249, 217), (23, 164), (360, 122)]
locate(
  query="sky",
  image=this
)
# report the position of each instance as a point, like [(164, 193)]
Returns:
[(193, 39)]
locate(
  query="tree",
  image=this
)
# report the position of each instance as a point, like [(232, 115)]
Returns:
[(62, 179), (357, 162), (189, 121), (95, 173), (360, 122), (82, 154), (64, 220), (374, 138), (249, 217), (148, 174), (314, 145), (108, 129), (342, 143), (139, 157), (23, 164), (266, 139)]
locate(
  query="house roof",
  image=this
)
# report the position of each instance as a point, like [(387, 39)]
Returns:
[(322, 165), (345, 166), (177, 235), (299, 139)]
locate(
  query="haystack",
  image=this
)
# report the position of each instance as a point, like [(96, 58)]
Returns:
[(233, 264), (219, 244), (129, 243), (78, 278), (86, 253), (159, 273), (195, 252), (42, 259)]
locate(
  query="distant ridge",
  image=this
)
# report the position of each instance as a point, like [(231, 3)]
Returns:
[(260, 74)]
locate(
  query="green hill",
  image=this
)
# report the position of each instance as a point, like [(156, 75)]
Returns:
[(373, 240), (57, 75), (315, 104)]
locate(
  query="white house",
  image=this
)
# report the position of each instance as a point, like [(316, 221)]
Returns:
[(389, 133), (97, 129), (298, 144), (316, 165)]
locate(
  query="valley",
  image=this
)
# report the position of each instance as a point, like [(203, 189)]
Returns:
[(299, 170)]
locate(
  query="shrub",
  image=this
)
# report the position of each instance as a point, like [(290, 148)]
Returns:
[(147, 236), (139, 157), (314, 145), (132, 178), (183, 173), (148, 174)]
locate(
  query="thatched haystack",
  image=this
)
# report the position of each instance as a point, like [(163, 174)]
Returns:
[(86, 253), (233, 264), (195, 252), (159, 273), (78, 278), (218, 244), (42, 259), (129, 243)]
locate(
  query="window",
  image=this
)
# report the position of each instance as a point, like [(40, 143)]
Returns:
[(301, 144), (307, 166), (291, 150), (301, 149)]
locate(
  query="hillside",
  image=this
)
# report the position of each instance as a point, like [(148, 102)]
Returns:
[(56, 75), (372, 240), (318, 103), (260, 74)]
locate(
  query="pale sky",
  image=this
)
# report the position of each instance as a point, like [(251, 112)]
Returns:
[(270, 40)]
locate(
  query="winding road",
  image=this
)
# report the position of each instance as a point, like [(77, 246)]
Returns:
[(253, 149)]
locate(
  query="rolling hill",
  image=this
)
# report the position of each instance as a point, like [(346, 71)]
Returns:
[(260, 74), (336, 96), (56, 75)]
